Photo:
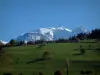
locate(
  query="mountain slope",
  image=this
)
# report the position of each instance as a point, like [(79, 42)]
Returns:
[(3, 42), (50, 34)]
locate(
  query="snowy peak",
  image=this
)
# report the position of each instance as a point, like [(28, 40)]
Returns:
[(63, 28), (51, 33), (3, 42), (80, 29), (53, 29)]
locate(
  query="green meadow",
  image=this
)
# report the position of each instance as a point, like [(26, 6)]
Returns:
[(59, 53)]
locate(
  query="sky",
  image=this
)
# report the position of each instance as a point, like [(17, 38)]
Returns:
[(21, 16)]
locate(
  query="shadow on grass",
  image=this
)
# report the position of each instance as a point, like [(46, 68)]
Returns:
[(37, 60), (90, 49), (98, 49), (77, 54)]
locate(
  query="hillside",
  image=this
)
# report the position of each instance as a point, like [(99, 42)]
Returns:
[(51, 33), (59, 52)]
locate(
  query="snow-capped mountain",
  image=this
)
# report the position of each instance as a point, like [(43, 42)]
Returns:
[(51, 33), (3, 42), (80, 29)]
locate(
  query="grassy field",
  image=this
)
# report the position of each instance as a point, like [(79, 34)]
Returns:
[(59, 52)]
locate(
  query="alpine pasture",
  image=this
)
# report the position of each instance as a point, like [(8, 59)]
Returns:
[(14, 59)]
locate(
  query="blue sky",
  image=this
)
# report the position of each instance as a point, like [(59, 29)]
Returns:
[(20, 16)]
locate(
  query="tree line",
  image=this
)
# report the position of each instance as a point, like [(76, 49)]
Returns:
[(94, 34)]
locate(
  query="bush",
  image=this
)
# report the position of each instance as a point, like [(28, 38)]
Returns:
[(83, 51), (45, 54), (41, 45), (0, 47), (40, 73), (7, 74), (57, 72)]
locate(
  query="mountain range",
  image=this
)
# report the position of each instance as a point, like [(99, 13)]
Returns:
[(3, 42), (51, 33)]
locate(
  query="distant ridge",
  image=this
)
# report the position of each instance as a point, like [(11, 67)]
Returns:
[(51, 33), (3, 42)]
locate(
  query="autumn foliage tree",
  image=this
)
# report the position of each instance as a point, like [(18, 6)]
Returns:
[(45, 54), (58, 72), (13, 42)]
